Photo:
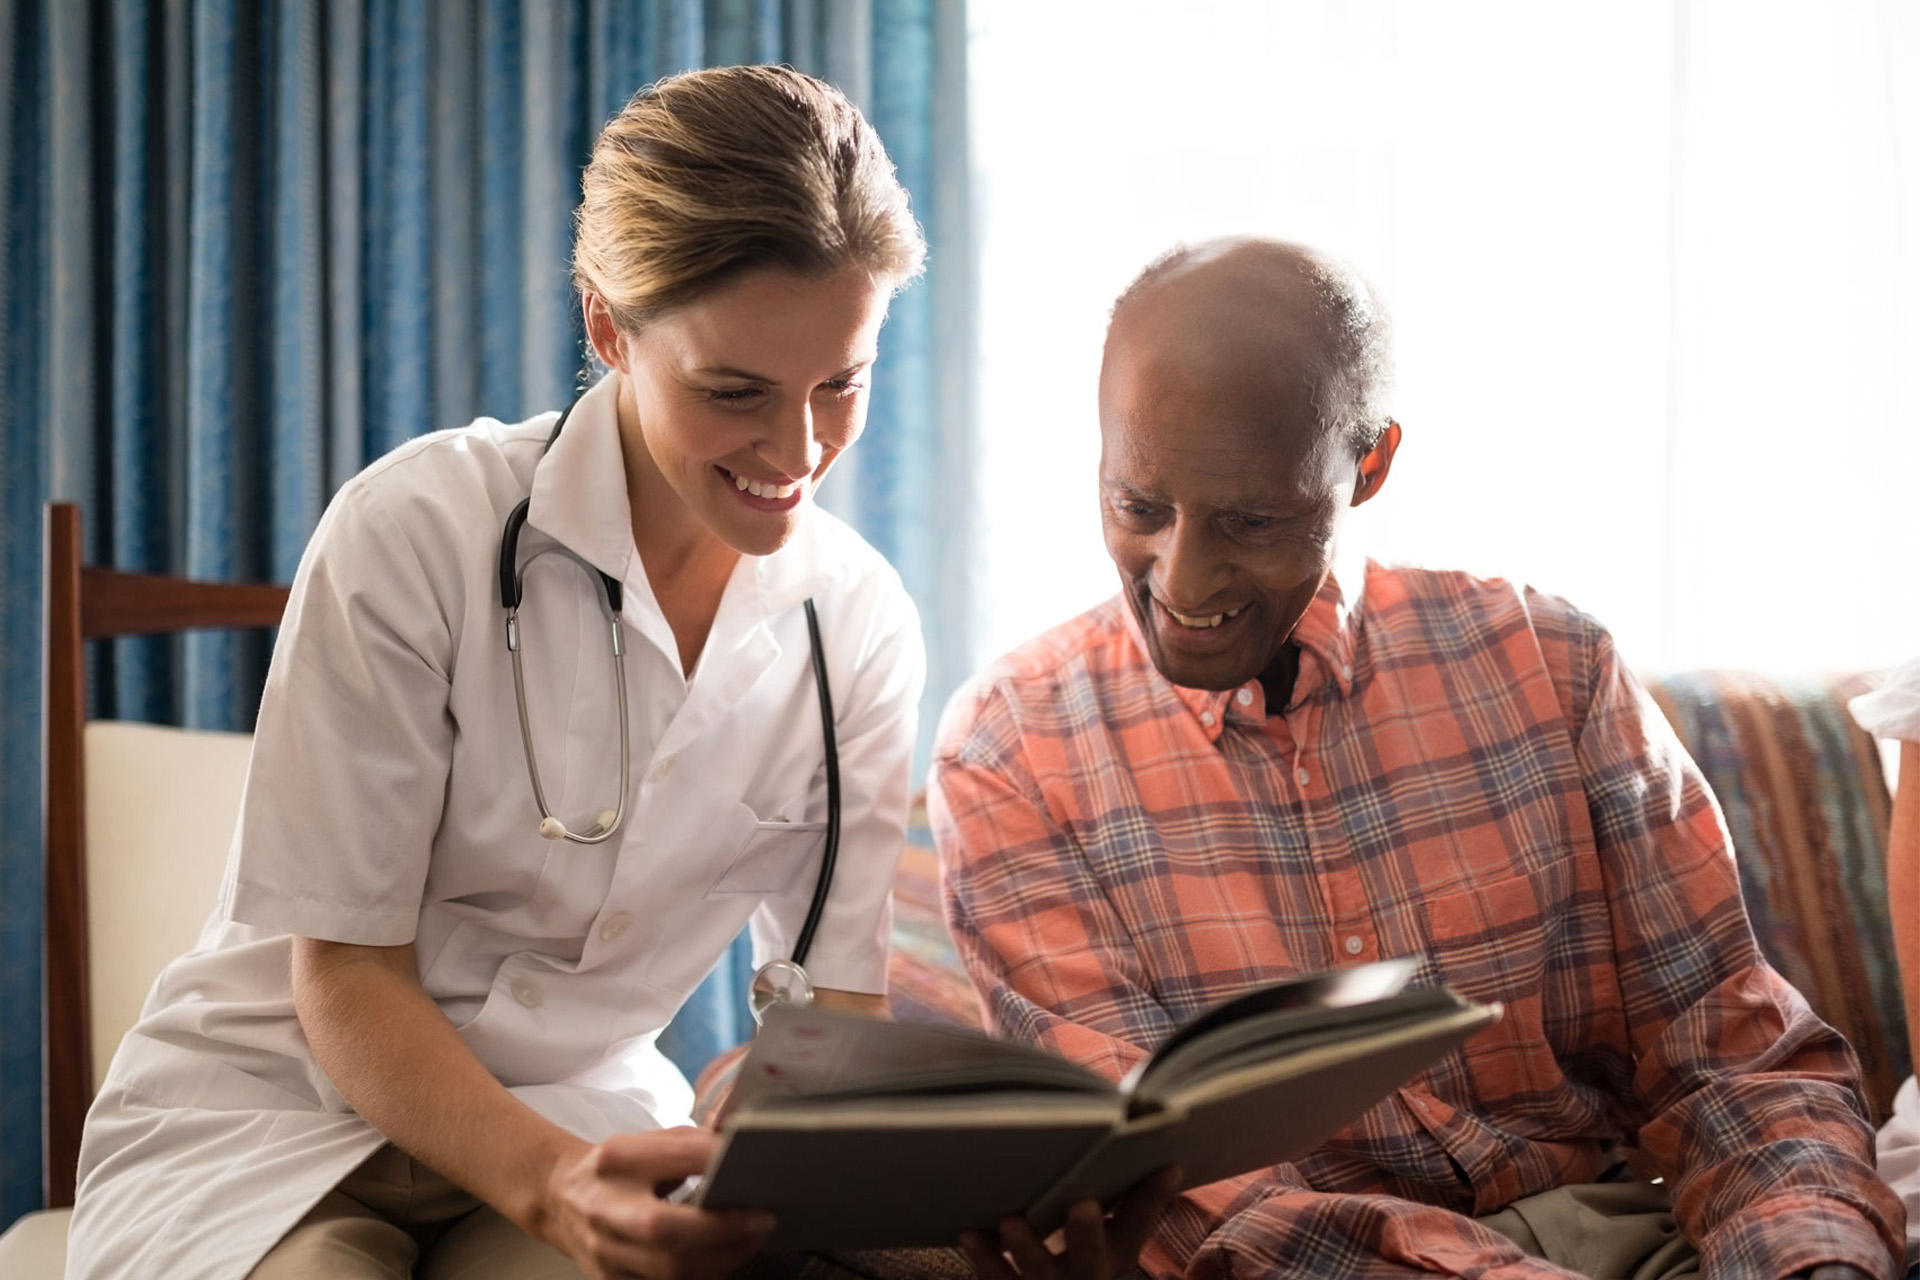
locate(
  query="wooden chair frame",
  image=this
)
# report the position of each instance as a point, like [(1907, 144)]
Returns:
[(86, 603)]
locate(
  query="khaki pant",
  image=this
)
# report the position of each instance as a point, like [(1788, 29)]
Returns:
[(393, 1215), (1606, 1230), (394, 1218)]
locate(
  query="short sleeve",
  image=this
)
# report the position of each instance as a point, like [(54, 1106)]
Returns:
[(348, 775)]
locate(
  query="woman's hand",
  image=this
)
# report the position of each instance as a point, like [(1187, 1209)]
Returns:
[(1097, 1245), (607, 1210)]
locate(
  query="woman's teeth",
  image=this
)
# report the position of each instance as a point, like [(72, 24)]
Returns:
[(759, 490), (1204, 621)]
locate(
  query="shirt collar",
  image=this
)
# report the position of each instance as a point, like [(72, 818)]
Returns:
[(1326, 634), (579, 496), (579, 499)]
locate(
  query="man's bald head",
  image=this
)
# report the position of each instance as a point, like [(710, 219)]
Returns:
[(1271, 307), (1241, 415)]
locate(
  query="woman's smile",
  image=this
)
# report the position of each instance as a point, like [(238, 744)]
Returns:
[(764, 495)]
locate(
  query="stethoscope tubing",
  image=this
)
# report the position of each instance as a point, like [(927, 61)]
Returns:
[(551, 826), (804, 943)]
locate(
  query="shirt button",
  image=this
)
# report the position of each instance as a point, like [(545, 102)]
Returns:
[(1244, 697), (1355, 946), (1206, 718), (662, 769), (1346, 673), (1302, 777), (615, 925), (527, 992)]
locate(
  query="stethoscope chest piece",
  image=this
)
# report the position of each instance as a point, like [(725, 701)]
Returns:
[(778, 982)]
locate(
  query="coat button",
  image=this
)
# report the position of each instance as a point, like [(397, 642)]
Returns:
[(527, 992), (662, 769), (615, 925)]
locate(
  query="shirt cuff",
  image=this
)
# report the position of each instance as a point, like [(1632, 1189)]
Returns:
[(1787, 1235)]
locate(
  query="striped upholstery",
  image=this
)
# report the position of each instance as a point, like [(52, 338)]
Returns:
[(1806, 800)]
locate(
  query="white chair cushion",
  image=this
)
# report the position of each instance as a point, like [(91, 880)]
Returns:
[(161, 808), (35, 1247)]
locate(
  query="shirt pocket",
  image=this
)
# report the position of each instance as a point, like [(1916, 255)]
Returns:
[(1490, 943), (1486, 941), (773, 855)]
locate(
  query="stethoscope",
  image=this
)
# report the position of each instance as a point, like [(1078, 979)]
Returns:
[(777, 981)]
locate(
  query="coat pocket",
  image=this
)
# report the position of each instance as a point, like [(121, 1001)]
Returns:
[(772, 858)]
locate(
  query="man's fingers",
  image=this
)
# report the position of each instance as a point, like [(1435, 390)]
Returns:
[(1030, 1254), (1088, 1252), (986, 1260), (1139, 1210), (1093, 1246)]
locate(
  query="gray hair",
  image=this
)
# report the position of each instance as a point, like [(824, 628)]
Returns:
[(1356, 381)]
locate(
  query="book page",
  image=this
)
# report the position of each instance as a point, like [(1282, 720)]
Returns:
[(824, 1052), (1333, 989), (1263, 1036), (1264, 1113)]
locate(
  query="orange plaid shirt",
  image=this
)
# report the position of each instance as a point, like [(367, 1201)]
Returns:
[(1467, 774)]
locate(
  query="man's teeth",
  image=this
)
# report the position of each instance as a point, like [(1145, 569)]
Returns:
[(1206, 620), (759, 490)]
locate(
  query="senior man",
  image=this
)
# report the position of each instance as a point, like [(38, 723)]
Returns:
[(1256, 762)]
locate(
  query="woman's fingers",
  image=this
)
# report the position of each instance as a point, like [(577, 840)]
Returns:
[(622, 1225), (664, 1155), (683, 1243), (617, 1257)]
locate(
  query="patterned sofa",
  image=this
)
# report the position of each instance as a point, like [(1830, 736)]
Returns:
[(1805, 796)]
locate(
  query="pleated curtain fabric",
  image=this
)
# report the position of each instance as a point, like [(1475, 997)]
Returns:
[(250, 245)]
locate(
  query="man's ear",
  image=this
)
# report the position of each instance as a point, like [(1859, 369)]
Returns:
[(1375, 464), (601, 331)]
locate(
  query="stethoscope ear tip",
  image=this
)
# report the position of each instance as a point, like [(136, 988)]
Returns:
[(552, 829)]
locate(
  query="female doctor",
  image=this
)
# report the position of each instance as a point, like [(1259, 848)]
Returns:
[(463, 898)]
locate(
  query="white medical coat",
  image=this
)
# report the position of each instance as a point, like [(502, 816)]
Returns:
[(387, 801)]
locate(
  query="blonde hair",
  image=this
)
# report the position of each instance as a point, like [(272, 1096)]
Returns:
[(711, 173)]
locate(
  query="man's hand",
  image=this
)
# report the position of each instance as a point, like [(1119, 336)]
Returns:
[(608, 1211), (1097, 1246)]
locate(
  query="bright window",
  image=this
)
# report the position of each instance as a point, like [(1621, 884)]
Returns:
[(1655, 270)]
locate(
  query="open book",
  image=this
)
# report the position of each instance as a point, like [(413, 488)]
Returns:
[(860, 1133)]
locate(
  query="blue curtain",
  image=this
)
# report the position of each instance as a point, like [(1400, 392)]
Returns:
[(249, 246)]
